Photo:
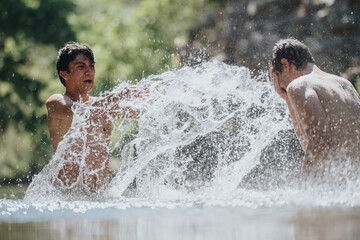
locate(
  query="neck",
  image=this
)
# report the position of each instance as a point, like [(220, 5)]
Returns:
[(77, 96), (309, 68)]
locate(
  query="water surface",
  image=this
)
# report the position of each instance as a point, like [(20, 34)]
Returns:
[(214, 156)]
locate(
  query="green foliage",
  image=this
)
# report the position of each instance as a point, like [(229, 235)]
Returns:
[(130, 39), (25, 28), (10, 165), (357, 84), (133, 39), (122, 135), (30, 33)]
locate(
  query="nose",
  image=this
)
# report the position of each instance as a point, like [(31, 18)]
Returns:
[(90, 69)]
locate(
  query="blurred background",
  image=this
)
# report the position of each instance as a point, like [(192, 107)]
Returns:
[(132, 39)]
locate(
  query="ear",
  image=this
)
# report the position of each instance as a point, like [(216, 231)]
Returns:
[(273, 74), (64, 75), (286, 65)]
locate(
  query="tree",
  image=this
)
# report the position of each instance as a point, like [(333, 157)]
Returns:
[(30, 33), (133, 39)]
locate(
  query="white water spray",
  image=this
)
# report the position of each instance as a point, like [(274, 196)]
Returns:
[(211, 134)]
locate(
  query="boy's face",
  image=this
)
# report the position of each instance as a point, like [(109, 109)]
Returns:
[(288, 74), (282, 76), (277, 76), (81, 75)]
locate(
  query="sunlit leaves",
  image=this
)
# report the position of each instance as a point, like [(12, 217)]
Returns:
[(30, 33), (133, 39)]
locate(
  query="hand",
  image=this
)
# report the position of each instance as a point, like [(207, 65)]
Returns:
[(274, 75)]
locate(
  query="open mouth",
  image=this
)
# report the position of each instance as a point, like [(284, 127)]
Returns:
[(88, 81)]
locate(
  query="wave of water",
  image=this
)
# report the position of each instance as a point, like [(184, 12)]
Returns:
[(211, 135)]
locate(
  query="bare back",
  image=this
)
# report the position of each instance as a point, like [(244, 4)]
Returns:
[(327, 108)]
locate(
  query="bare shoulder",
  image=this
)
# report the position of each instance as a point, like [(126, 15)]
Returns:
[(303, 92), (55, 98), (299, 85), (345, 82), (334, 83), (318, 81), (58, 104)]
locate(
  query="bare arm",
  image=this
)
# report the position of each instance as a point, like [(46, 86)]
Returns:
[(299, 130), (59, 117), (109, 104), (300, 133)]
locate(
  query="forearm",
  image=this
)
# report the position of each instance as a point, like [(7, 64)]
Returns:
[(107, 105), (300, 133), (125, 113), (110, 104), (128, 112)]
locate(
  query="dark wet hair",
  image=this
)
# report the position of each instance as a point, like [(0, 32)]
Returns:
[(68, 53), (293, 51)]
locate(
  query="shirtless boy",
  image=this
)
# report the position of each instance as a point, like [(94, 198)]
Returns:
[(325, 108), (76, 69)]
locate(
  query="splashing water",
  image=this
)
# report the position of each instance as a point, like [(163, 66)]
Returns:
[(208, 135)]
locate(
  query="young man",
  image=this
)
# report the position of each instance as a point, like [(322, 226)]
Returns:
[(76, 69), (325, 108)]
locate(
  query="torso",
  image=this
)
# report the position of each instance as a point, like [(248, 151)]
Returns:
[(98, 132), (336, 139), (342, 109)]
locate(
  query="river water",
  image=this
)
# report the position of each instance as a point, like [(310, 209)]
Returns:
[(213, 156)]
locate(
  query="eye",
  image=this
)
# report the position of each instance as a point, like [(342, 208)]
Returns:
[(81, 67)]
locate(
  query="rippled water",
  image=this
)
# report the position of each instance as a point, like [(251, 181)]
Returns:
[(140, 220), (213, 156)]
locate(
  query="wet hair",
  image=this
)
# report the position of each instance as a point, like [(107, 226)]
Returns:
[(68, 53), (294, 51)]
